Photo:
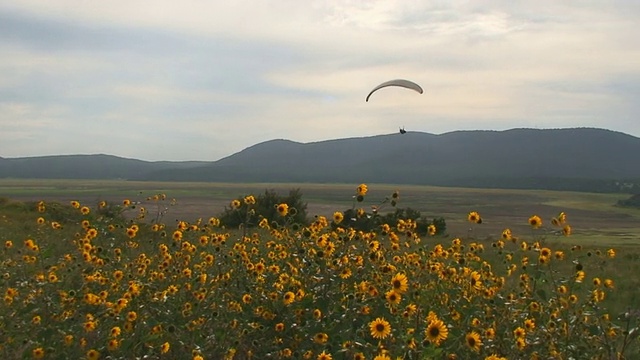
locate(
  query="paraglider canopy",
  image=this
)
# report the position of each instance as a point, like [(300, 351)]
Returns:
[(397, 82)]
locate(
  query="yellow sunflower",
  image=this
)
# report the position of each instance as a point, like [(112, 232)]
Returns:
[(436, 331), (380, 328), (283, 209), (38, 353), (235, 204), (338, 217), (474, 217), (288, 297), (93, 354), (400, 283), (320, 338), (535, 221), (473, 341), (393, 297), (519, 333)]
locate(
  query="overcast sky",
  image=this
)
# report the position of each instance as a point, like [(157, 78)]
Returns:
[(201, 80)]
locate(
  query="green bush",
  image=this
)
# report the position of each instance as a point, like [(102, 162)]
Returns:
[(265, 206), (372, 222)]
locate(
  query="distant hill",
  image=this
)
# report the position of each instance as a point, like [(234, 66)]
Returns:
[(582, 159), (84, 167)]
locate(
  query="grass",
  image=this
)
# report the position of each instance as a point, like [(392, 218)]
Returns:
[(112, 284), (594, 216)]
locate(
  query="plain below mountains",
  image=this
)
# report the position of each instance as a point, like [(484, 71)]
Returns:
[(581, 159)]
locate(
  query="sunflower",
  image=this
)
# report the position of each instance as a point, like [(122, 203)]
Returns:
[(165, 348), (288, 297), (474, 217), (431, 230), (359, 356), (400, 283), (324, 356), (535, 221), (132, 316), (283, 209), (495, 357), (85, 210), (393, 297), (473, 341), (235, 204), (534, 306), (362, 190), (380, 328), (519, 333), (38, 353), (562, 218), (345, 273), (530, 324), (566, 230), (490, 333), (608, 283), (317, 314), (436, 331), (475, 280), (93, 354), (382, 357), (115, 331), (113, 344), (321, 338), (338, 217)]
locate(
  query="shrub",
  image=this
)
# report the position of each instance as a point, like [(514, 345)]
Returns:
[(364, 221), (249, 213)]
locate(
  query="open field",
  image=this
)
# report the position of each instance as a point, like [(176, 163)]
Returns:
[(594, 217), (82, 281)]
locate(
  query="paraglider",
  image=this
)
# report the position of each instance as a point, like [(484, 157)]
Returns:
[(397, 82)]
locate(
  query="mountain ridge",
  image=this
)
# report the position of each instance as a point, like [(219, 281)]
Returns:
[(575, 158)]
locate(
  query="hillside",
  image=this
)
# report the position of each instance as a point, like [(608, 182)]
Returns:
[(566, 159), (84, 167)]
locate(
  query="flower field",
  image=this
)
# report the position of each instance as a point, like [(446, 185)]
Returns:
[(85, 281)]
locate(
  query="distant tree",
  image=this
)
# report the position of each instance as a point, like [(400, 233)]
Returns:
[(632, 202)]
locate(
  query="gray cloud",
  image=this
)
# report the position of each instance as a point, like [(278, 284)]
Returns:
[(203, 80)]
